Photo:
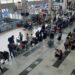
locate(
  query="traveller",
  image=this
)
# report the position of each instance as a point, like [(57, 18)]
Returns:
[(66, 45), (59, 54), (43, 28), (60, 36), (70, 34), (44, 34), (37, 35), (11, 49), (1, 70), (27, 37), (31, 37), (11, 39), (51, 35), (40, 37), (54, 19), (20, 36)]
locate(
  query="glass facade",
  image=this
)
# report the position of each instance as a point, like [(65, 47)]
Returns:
[(9, 1), (8, 13), (5, 13), (15, 1), (6, 1)]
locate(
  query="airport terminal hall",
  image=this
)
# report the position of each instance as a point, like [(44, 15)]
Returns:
[(37, 37)]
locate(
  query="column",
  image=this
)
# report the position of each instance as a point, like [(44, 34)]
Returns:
[(24, 8), (49, 6), (19, 5), (65, 5), (24, 5)]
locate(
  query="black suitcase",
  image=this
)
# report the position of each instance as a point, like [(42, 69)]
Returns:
[(50, 43)]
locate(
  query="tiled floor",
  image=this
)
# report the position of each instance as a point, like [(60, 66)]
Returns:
[(41, 60)]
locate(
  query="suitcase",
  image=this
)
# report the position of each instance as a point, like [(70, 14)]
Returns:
[(17, 40), (50, 43), (40, 39)]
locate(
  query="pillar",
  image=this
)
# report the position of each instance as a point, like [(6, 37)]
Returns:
[(24, 8), (64, 4), (49, 6)]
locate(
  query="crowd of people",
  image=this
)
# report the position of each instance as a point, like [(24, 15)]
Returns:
[(61, 23), (69, 45), (40, 35), (29, 42), (70, 41)]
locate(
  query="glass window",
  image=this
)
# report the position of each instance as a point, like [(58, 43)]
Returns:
[(6, 1), (9, 1), (15, 16), (5, 13), (8, 13), (15, 1)]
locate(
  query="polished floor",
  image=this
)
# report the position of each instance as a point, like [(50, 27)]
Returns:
[(40, 60)]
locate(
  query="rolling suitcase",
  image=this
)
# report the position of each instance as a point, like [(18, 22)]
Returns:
[(50, 43)]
